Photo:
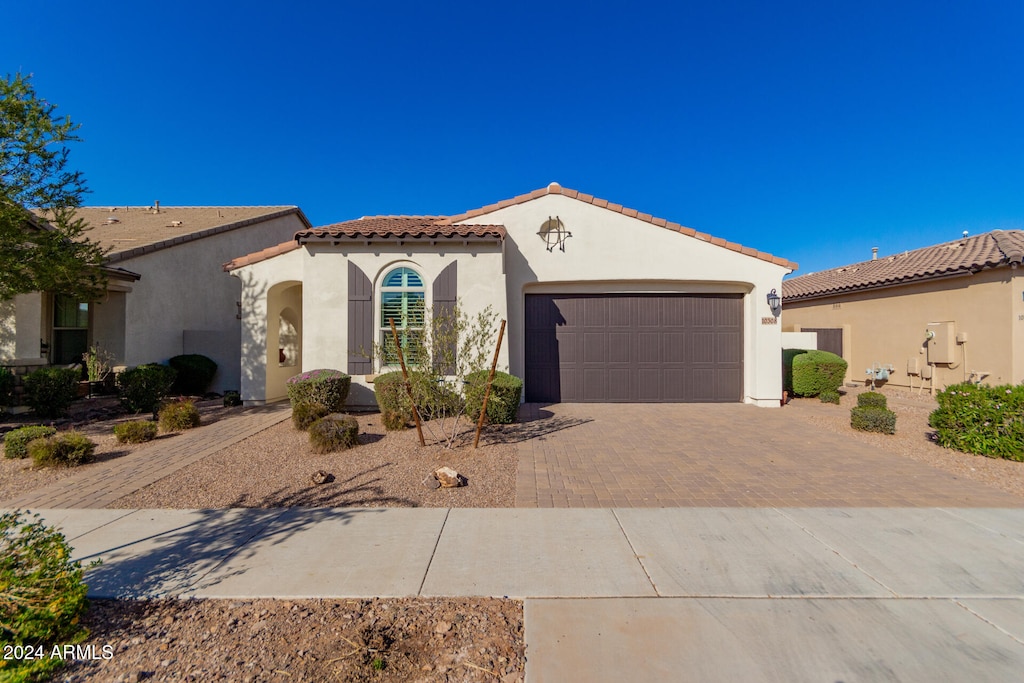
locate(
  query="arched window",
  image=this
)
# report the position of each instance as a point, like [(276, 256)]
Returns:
[(402, 299)]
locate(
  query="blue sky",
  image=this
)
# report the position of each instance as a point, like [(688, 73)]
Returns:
[(813, 131)]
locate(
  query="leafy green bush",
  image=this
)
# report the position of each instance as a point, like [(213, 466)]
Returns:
[(232, 399), (393, 400), (6, 387), (49, 391), (42, 594), (178, 415), (872, 399), (502, 404), (981, 419), (817, 371), (136, 431), (829, 396), (142, 387), (333, 432), (787, 368), (873, 419), (195, 372), (16, 441), (66, 449), (305, 414), (326, 387)]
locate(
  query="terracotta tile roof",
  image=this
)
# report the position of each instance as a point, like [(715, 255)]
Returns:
[(555, 188), (398, 227), (988, 250), (257, 256), (131, 231)]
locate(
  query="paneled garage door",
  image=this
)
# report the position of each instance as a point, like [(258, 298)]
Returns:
[(634, 348)]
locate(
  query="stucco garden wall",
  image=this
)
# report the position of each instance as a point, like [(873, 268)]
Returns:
[(613, 253), (888, 326)]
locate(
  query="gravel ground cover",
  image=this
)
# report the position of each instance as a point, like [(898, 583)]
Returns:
[(419, 639), (387, 469)]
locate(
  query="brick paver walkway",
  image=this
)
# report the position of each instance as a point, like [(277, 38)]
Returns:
[(688, 455), (101, 485)]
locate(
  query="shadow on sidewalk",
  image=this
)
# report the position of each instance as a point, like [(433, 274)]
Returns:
[(181, 548)]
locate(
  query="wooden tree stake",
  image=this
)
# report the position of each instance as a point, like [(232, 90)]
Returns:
[(487, 391), (408, 387)]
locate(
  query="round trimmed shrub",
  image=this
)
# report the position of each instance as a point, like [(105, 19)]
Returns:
[(334, 432), (817, 371), (136, 431), (16, 441), (393, 400), (232, 399), (982, 419), (326, 387), (178, 416), (502, 404), (142, 387), (42, 594), (873, 419), (829, 396), (305, 414), (66, 449), (872, 399), (50, 391), (195, 372)]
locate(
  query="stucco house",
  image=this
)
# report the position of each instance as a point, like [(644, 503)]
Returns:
[(167, 293), (603, 303), (934, 316)]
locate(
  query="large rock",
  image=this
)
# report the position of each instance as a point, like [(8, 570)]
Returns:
[(449, 478)]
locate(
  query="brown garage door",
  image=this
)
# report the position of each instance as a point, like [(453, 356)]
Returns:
[(634, 348)]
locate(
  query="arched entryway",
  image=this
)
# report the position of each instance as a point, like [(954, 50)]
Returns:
[(284, 337)]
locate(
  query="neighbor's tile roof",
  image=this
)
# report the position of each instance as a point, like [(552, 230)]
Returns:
[(963, 256), (399, 227), (131, 231), (555, 188)]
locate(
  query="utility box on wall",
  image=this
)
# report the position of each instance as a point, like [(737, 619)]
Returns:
[(941, 343)]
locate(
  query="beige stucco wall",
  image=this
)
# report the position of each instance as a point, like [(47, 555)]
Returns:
[(323, 271), (888, 326), (184, 288), (613, 253), (21, 328)]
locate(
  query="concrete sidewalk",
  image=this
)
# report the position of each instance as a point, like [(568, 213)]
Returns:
[(772, 594)]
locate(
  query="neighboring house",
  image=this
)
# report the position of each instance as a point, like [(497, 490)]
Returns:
[(167, 293), (943, 314), (603, 303)]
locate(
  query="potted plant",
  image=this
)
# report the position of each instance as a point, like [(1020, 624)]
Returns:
[(97, 367)]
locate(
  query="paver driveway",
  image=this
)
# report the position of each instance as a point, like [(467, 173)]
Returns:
[(718, 455)]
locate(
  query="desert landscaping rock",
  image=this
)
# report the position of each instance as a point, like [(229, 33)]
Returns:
[(449, 478), (321, 477)]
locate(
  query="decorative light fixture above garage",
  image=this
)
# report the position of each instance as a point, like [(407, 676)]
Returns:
[(554, 234)]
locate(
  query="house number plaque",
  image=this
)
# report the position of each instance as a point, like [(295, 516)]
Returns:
[(770, 320)]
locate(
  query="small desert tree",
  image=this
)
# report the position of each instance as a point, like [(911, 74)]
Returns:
[(46, 250), (451, 345)]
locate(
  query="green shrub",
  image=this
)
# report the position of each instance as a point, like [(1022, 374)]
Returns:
[(16, 441), (232, 399), (42, 594), (393, 400), (49, 391), (872, 399), (873, 419), (502, 404), (393, 422), (66, 449), (829, 396), (178, 415), (6, 388), (195, 372), (333, 432), (305, 414), (142, 387), (787, 368), (981, 419), (136, 431), (326, 387), (817, 371)]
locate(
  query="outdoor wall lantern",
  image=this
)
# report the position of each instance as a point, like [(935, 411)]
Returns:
[(774, 301)]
